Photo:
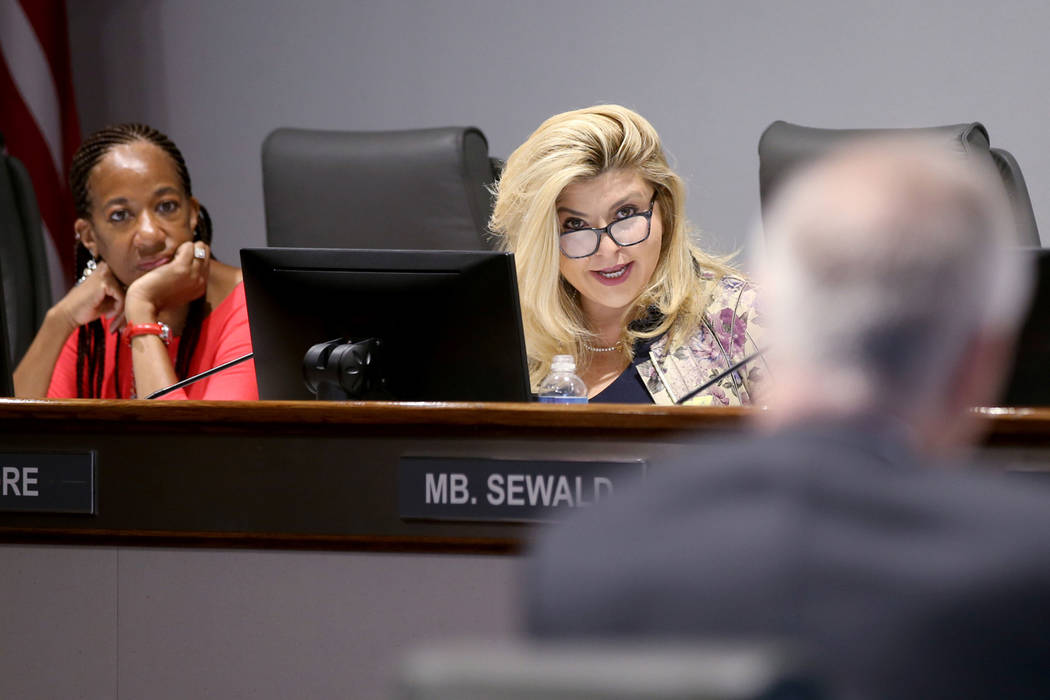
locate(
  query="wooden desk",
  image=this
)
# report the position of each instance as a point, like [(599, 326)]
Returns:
[(324, 475), (233, 609)]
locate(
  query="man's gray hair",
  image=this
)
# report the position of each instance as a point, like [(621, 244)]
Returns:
[(883, 260)]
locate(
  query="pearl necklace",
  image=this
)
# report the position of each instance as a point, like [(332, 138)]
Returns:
[(608, 349)]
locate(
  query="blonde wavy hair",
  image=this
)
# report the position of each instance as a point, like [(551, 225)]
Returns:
[(576, 146)]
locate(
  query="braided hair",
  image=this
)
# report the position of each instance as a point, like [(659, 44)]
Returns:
[(91, 340)]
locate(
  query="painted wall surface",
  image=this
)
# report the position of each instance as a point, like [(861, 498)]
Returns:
[(219, 76), (126, 622)]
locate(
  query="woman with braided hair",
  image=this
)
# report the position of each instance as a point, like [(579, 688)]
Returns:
[(152, 306)]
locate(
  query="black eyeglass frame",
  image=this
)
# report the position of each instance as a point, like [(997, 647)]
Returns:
[(605, 230)]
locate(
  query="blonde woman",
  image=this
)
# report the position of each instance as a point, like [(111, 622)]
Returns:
[(607, 270)]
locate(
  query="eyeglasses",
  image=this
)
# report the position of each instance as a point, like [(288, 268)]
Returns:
[(628, 231)]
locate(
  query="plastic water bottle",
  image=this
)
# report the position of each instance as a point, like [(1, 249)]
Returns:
[(562, 385)]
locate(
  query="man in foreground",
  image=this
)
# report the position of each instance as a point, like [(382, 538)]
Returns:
[(893, 300)]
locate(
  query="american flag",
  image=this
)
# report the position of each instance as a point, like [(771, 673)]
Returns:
[(38, 115)]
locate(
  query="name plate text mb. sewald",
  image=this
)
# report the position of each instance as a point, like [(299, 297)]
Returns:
[(470, 488)]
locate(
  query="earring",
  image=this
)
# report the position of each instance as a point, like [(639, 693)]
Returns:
[(88, 269)]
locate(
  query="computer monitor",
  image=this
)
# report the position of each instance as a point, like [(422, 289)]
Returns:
[(449, 322), (1029, 381)]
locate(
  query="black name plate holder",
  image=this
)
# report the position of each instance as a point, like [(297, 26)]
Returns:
[(49, 482), (505, 490)]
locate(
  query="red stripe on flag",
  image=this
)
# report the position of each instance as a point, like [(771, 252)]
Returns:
[(48, 19), (25, 142)]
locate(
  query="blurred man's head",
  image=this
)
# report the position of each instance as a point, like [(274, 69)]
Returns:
[(893, 288)]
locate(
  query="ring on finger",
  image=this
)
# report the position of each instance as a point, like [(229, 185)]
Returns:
[(199, 253)]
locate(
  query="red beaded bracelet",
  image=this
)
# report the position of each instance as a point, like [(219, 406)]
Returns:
[(158, 329)]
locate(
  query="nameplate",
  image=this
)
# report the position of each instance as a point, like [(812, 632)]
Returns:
[(449, 488), (48, 482)]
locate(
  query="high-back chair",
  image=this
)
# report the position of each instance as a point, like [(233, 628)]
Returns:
[(6, 361), (784, 147), (23, 260), (424, 189)]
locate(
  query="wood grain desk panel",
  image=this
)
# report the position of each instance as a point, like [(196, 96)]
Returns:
[(324, 475)]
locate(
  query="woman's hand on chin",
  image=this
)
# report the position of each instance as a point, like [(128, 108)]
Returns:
[(101, 294), (169, 286)]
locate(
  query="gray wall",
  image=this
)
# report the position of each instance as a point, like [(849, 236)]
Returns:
[(125, 622), (219, 75)]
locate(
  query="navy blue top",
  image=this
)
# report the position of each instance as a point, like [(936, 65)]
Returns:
[(629, 387)]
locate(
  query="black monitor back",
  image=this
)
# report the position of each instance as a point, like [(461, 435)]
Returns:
[(1029, 382), (449, 321)]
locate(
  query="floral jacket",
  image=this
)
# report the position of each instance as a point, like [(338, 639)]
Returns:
[(729, 331)]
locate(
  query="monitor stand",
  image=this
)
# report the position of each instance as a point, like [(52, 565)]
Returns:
[(342, 370)]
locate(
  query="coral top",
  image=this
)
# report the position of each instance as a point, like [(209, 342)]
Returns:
[(224, 337)]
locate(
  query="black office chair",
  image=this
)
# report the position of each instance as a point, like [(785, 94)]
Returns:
[(785, 146), (23, 260), (424, 189), (6, 362)]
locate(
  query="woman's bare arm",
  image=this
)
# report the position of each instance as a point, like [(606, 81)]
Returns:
[(99, 295)]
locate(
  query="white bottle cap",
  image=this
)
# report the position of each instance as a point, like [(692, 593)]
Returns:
[(563, 363)]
